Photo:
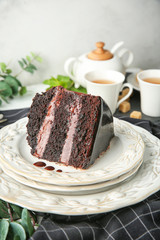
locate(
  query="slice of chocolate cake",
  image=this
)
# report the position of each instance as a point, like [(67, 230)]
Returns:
[(68, 127)]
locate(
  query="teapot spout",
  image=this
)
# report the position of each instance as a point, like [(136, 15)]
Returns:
[(116, 47)]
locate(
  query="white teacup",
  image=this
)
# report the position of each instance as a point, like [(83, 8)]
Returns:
[(150, 92), (108, 91)]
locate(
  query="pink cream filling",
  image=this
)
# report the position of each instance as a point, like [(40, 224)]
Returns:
[(66, 151), (45, 129)]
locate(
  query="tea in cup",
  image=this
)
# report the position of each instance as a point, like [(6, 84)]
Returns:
[(149, 83), (107, 84)]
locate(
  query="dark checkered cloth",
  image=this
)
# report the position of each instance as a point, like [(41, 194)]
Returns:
[(140, 221)]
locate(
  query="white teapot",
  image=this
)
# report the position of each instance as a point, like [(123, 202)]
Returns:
[(99, 59)]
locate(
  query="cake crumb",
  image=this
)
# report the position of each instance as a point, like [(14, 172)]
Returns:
[(124, 107), (136, 114)]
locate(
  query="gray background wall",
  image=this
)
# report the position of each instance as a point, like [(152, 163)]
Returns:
[(58, 29)]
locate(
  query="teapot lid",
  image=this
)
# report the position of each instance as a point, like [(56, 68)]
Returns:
[(100, 53)]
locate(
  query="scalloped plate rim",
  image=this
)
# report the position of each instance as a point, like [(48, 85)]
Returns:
[(73, 190), (107, 201), (76, 179)]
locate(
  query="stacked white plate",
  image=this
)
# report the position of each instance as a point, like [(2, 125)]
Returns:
[(127, 173)]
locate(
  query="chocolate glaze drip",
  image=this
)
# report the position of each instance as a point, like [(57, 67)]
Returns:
[(49, 168), (105, 132), (39, 164)]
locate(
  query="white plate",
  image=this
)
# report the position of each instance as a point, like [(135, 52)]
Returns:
[(71, 190), (132, 80), (24, 101), (125, 152), (145, 183)]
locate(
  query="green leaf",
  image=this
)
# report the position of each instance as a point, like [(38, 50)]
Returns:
[(16, 237), (63, 78), (16, 230), (3, 67), (53, 82), (28, 58), (24, 61), (12, 82), (80, 89), (16, 210), (33, 54), (18, 82), (59, 81), (48, 88), (15, 79), (21, 64), (38, 58), (4, 227), (5, 89), (0, 102), (30, 68), (23, 90), (33, 217), (8, 71), (49, 81), (3, 210), (26, 222), (4, 98), (65, 82)]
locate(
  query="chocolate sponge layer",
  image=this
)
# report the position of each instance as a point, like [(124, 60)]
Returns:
[(60, 127), (36, 116)]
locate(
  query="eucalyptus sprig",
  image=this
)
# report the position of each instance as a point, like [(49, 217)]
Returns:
[(65, 82), (16, 222), (27, 65), (10, 85)]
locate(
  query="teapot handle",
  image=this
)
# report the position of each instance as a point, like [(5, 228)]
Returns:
[(129, 59), (68, 67), (116, 47)]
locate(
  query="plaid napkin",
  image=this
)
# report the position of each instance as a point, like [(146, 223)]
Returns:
[(139, 221)]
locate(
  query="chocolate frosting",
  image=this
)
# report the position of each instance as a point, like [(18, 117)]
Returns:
[(105, 132)]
